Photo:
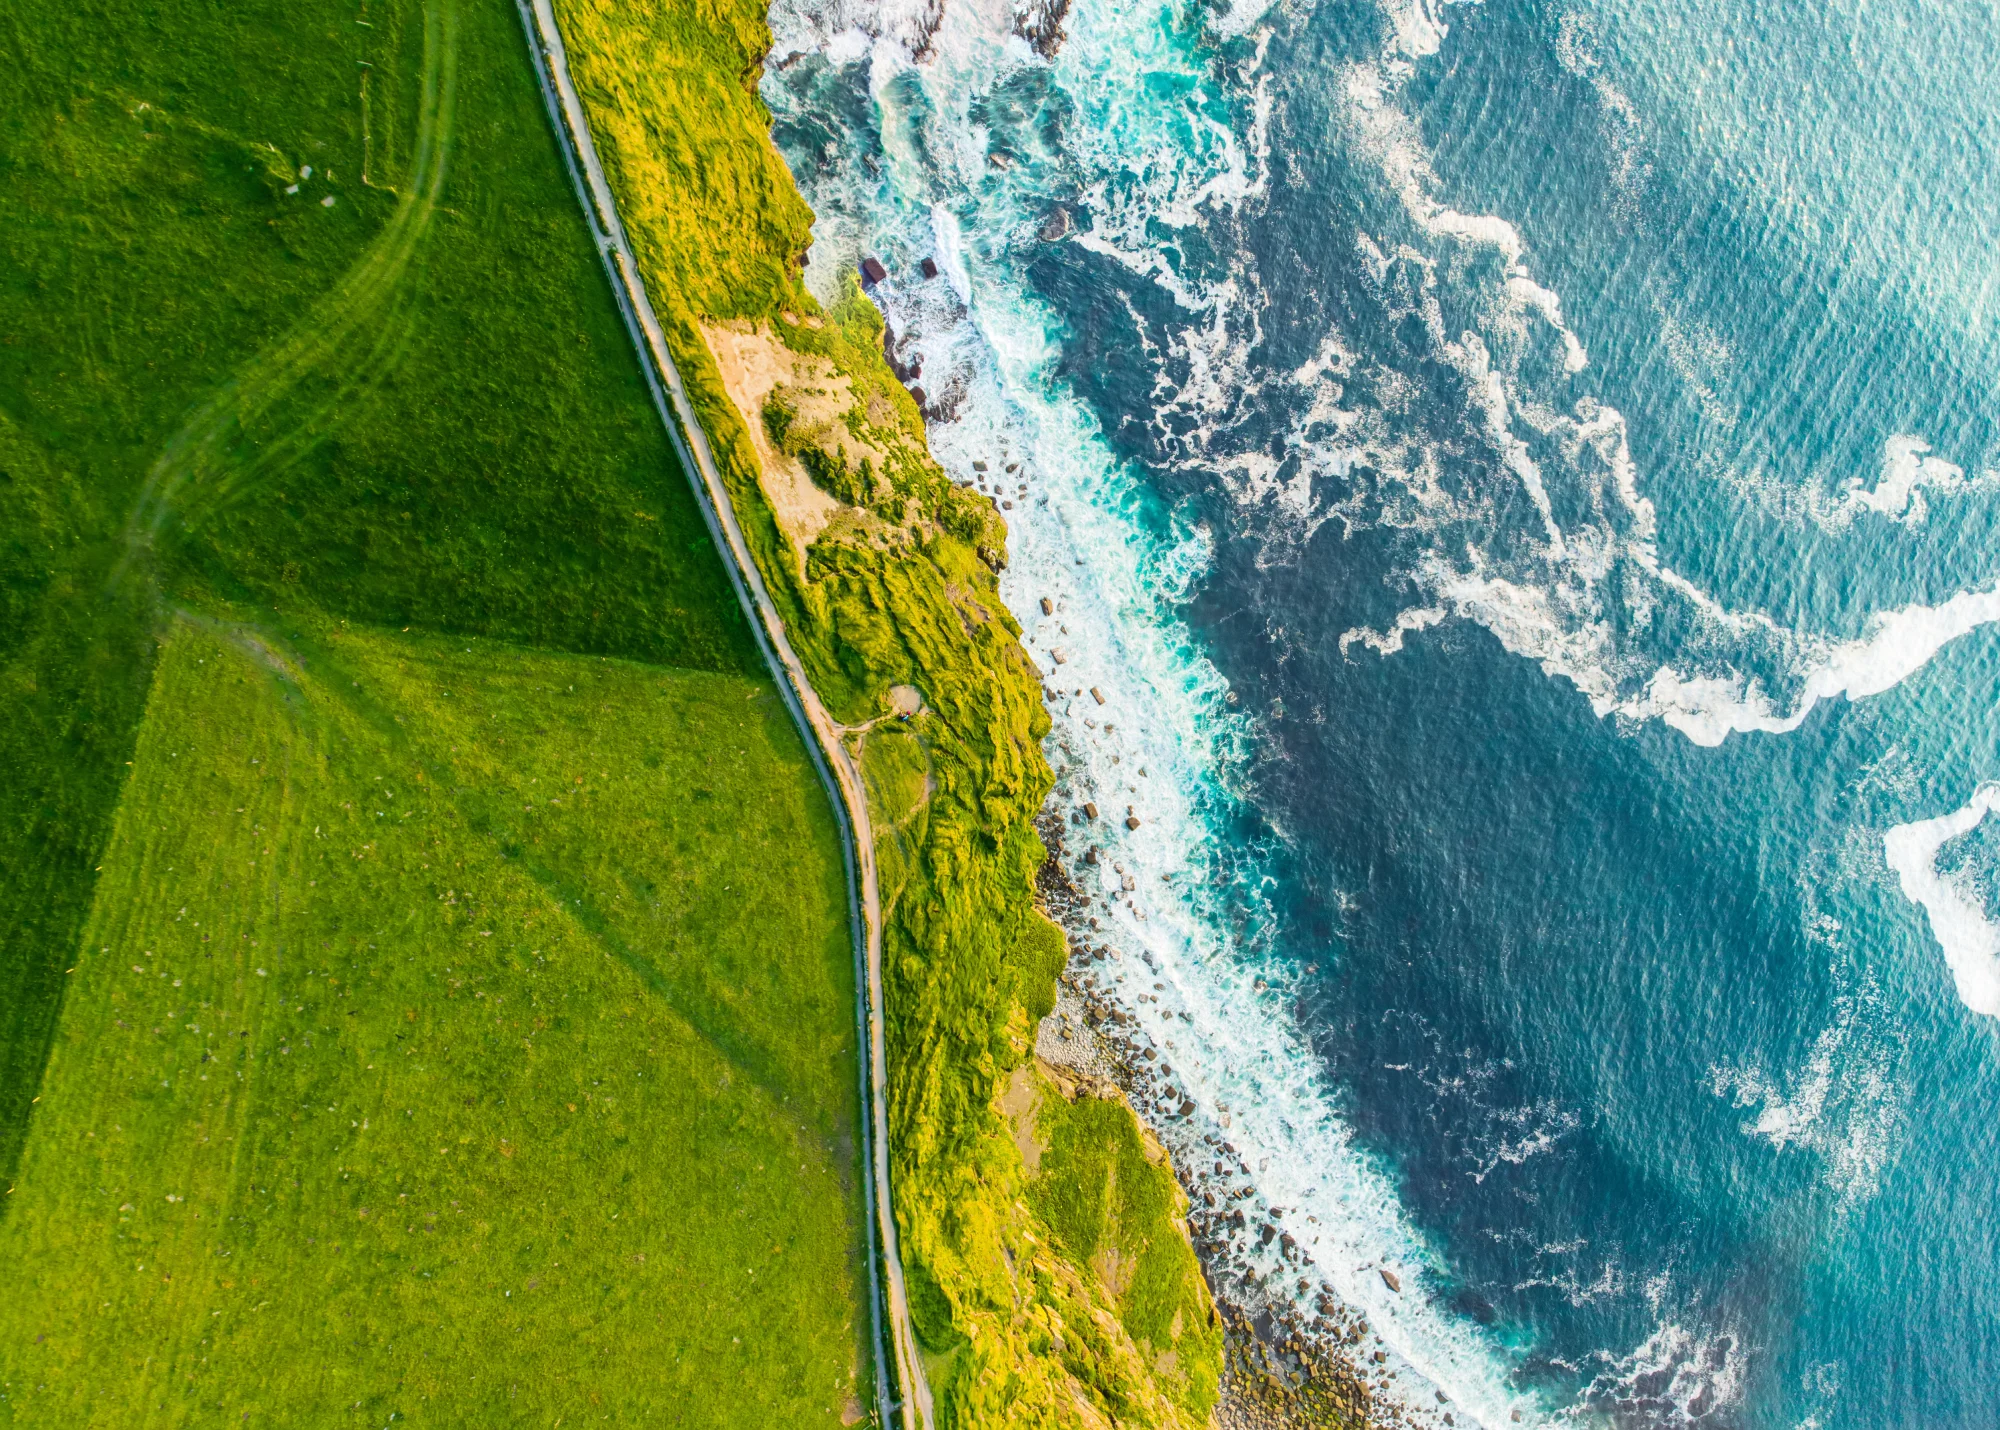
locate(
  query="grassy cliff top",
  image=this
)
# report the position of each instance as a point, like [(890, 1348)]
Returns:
[(1058, 1293)]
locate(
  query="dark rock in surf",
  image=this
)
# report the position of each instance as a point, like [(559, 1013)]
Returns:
[(872, 271), (1040, 23)]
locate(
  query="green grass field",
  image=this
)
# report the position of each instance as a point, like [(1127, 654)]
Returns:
[(434, 1051), (319, 488)]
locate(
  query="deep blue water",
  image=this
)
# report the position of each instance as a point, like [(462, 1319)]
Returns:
[(1525, 475)]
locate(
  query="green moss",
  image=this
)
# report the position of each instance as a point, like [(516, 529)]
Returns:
[(1112, 1201)]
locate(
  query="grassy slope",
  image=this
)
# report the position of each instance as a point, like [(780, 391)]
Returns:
[(970, 963), (413, 407), (432, 1052), (487, 462)]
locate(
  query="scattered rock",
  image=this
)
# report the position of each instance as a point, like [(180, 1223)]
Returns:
[(1055, 228), (930, 268), (1089, 810), (1131, 821), (1389, 1279), (872, 270), (1048, 606), (1097, 695)]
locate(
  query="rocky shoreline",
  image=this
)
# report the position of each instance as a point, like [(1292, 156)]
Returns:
[(1295, 1356)]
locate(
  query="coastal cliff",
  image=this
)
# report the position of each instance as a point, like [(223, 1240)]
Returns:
[(1043, 1237)]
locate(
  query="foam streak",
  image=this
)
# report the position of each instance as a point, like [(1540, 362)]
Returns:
[(1970, 941)]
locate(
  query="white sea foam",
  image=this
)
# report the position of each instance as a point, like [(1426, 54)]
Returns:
[(1970, 941), (950, 251), (1585, 599), (1578, 591), (1618, 117), (1907, 469), (1085, 536), (1844, 1103), (1708, 707), (1388, 642), (1679, 1375)]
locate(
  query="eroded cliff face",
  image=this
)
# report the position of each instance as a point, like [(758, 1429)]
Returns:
[(1043, 1233)]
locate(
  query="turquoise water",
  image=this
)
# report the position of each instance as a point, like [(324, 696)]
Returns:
[(1523, 478)]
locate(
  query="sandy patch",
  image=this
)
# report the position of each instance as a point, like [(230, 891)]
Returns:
[(753, 364), (1019, 1103), (1113, 1266)]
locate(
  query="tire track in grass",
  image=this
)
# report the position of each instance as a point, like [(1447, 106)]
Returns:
[(229, 993), (348, 341)]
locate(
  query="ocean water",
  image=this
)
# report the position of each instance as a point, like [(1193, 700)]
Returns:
[(1522, 478)]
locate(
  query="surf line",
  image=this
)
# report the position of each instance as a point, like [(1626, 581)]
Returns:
[(1144, 731), (822, 734), (1145, 735)]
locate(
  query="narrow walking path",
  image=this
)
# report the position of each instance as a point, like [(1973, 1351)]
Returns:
[(830, 752)]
